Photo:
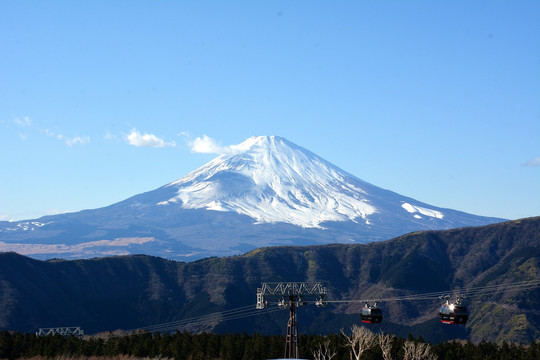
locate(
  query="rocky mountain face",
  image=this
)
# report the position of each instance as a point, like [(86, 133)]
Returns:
[(127, 292), (265, 191)]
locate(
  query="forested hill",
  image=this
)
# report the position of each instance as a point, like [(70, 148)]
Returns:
[(128, 292)]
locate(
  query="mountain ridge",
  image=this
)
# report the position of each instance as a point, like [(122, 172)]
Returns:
[(126, 292)]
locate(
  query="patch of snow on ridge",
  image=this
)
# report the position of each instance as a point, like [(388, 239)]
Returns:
[(26, 226), (273, 180), (424, 211)]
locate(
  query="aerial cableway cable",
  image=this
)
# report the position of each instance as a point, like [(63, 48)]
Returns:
[(183, 322), (249, 311), (469, 293), (493, 289), (217, 317)]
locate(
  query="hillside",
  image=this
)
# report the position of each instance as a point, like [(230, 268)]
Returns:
[(128, 292)]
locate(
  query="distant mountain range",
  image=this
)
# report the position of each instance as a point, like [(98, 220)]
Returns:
[(127, 292), (265, 191)]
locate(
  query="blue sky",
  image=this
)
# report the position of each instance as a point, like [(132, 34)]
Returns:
[(436, 100)]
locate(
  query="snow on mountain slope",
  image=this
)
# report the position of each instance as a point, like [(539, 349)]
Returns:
[(273, 180), (263, 192)]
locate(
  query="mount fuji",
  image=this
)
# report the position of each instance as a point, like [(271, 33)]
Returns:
[(265, 191)]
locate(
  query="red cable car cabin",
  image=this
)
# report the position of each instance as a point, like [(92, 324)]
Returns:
[(453, 314), (371, 315)]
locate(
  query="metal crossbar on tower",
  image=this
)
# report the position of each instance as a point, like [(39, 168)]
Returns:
[(291, 295), (64, 331)]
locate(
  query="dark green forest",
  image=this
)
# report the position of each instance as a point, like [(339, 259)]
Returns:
[(211, 346)]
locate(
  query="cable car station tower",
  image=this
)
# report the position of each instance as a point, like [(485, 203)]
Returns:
[(291, 295)]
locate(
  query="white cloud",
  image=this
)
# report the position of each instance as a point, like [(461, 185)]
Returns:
[(533, 162), (135, 138), (207, 145)]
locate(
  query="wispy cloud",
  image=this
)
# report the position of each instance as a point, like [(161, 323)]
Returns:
[(26, 127), (138, 139), (24, 122), (110, 136), (533, 162), (77, 140), (69, 141), (23, 125)]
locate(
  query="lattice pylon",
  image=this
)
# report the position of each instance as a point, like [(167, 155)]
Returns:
[(291, 341)]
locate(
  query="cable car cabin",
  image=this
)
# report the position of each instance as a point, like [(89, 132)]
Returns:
[(371, 315), (453, 314)]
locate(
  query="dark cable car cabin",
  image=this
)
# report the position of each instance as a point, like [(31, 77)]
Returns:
[(453, 313), (371, 314)]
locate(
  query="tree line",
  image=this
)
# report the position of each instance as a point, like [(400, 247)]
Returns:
[(358, 343)]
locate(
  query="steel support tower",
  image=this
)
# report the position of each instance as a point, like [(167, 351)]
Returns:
[(291, 295), (64, 331)]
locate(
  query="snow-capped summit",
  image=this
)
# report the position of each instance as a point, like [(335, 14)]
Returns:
[(273, 180), (265, 191)]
